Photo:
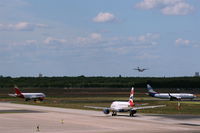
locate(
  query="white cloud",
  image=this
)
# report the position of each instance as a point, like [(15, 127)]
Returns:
[(31, 41), (119, 45), (96, 36), (94, 41), (142, 41), (93, 38), (130, 44), (150, 4), (23, 43), (119, 50), (147, 56), (167, 7), (181, 41), (186, 42), (148, 38), (21, 26), (104, 17), (51, 40), (178, 9)]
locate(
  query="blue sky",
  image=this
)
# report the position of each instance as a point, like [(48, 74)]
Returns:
[(99, 37)]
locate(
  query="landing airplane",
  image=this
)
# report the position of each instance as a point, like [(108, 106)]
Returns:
[(28, 96), (121, 106), (171, 96), (140, 69)]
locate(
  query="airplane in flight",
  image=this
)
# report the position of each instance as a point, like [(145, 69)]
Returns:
[(170, 96), (123, 106), (28, 96), (140, 69)]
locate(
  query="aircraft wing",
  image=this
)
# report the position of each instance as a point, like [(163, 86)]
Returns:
[(107, 108), (174, 97), (141, 104), (93, 107), (33, 97), (147, 107)]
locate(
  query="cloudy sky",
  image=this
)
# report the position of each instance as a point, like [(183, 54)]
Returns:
[(99, 37)]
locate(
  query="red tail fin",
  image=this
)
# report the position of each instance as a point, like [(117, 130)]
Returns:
[(17, 91), (131, 97)]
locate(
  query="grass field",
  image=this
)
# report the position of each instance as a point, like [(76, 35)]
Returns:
[(103, 98), (187, 107)]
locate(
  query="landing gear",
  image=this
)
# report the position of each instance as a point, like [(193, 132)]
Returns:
[(132, 112), (27, 99), (41, 99), (114, 113)]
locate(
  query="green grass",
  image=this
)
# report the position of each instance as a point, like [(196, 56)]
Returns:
[(187, 107), (79, 97)]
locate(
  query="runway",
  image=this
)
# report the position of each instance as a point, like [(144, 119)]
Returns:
[(19, 118)]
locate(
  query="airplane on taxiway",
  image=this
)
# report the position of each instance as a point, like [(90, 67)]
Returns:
[(28, 96), (140, 69), (170, 96), (122, 106)]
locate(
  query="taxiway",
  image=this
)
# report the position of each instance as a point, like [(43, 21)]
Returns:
[(19, 118)]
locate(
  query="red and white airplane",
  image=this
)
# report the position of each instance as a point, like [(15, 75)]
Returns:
[(28, 96), (122, 106)]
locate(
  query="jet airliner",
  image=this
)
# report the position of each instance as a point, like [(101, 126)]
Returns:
[(170, 96), (122, 106), (28, 96), (140, 69)]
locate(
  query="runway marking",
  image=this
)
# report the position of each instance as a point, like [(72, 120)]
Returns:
[(189, 124), (19, 111)]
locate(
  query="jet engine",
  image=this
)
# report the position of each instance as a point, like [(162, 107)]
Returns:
[(133, 111), (106, 111)]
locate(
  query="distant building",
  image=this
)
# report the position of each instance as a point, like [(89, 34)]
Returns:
[(196, 74), (40, 75)]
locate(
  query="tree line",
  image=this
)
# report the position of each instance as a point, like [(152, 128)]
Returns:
[(114, 82)]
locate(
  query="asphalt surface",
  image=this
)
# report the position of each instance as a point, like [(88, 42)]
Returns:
[(19, 118)]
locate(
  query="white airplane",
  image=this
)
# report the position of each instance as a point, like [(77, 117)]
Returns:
[(121, 106), (140, 69), (171, 96), (28, 96)]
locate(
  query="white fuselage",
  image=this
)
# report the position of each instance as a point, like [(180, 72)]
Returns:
[(176, 95), (120, 106), (33, 95)]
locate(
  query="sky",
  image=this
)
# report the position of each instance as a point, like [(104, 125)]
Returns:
[(99, 37)]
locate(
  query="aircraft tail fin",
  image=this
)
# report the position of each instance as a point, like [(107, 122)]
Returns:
[(17, 91), (150, 90), (131, 97)]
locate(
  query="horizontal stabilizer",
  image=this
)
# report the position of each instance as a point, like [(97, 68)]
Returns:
[(12, 95)]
